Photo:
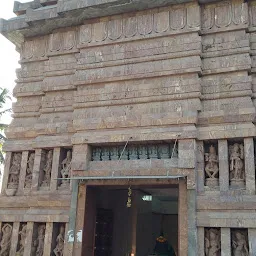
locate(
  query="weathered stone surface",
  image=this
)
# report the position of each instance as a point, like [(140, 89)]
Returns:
[(107, 72)]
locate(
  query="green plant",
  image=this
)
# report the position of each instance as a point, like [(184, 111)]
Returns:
[(4, 96)]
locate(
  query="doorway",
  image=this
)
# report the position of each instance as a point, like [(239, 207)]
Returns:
[(126, 231), (157, 222)]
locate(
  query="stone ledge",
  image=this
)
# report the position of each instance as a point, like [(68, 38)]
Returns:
[(46, 201), (245, 219), (42, 13), (142, 134), (231, 201)]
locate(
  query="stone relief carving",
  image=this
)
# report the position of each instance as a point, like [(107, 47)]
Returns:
[(47, 169), (29, 170), (66, 168), (239, 244), (69, 40), (115, 29), (34, 49), (58, 250), (252, 14), (178, 18), (23, 235), (212, 242), (222, 15), (211, 167), (6, 240), (130, 26), (236, 167), (38, 243), (134, 152), (14, 172), (172, 19), (62, 41)]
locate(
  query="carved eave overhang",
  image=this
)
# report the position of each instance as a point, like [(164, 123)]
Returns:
[(41, 17)]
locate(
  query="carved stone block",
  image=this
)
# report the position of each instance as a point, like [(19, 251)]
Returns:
[(29, 170), (211, 165), (38, 240), (14, 173), (65, 168), (45, 175), (212, 242), (239, 242), (6, 236), (22, 239), (236, 165), (58, 239)]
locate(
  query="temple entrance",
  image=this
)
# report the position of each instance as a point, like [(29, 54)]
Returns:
[(148, 227), (157, 222)]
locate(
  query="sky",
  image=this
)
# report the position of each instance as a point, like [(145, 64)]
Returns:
[(8, 56)]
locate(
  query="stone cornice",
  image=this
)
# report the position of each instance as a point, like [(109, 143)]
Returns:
[(41, 17)]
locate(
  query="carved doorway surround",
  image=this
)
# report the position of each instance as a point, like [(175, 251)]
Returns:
[(86, 202)]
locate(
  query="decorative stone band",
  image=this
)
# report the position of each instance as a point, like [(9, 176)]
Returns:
[(133, 152)]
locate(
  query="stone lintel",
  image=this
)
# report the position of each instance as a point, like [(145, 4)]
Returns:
[(141, 134)]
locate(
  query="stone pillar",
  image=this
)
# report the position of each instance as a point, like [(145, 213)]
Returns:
[(87, 208), (71, 226), (29, 238), (249, 165), (55, 169), (200, 167), (252, 241), (223, 165), (183, 219), (225, 242), (15, 238), (48, 239), (200, 239), (192, 231), (187, 153), (80, 213), (81, 157), (36, 170), (67, 248), (23, 168), (8, 159)]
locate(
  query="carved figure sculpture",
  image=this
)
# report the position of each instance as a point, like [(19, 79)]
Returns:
[(239, 245), (212, 243), (14, 171), (58, 251), (47, 169), (236, 161), (39, 242), (23, 235), (6, 240), (29, 171), (211, 167), (66, 167)]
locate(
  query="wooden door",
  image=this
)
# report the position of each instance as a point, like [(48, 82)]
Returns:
[(103, 232)]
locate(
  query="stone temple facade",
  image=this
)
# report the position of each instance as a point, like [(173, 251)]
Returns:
[(120, 95)]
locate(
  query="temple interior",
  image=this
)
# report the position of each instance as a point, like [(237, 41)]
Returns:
[(121, 230)]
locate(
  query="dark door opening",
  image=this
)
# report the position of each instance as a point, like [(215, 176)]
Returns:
[(122, 231), (103, 232)]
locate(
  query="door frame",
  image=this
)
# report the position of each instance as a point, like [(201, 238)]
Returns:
[(88, 201)]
